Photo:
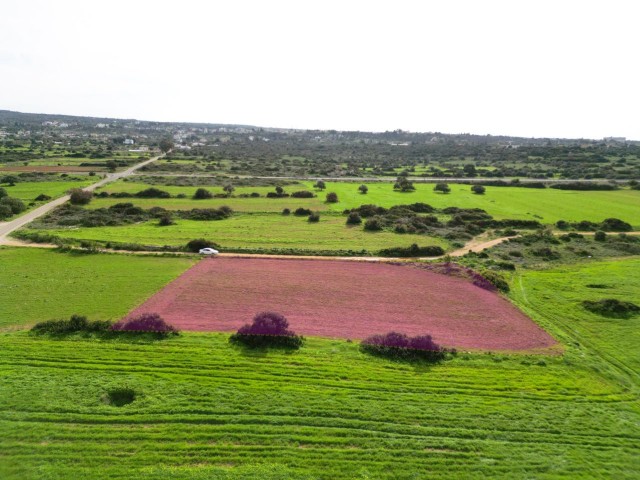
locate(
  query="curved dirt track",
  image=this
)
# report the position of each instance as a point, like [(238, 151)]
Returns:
[(345, 300), (8, 227)]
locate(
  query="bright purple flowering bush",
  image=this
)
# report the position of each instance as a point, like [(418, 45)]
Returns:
[(400, 346), (269, 329), (146, 323)]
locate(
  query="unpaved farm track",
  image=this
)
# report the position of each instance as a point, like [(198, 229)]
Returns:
[(345, 300), (8, 227)]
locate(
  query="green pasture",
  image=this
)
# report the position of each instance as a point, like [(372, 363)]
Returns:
[(40, 284), (554, 298), (547, 206), (28, 191), (255, 231), (204, 409)]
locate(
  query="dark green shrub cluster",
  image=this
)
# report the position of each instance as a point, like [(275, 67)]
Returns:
[(332, 197), (354, 219), (413, 251), (302, 211), (607, 225), (75, 324), (403, 184), (202, 194), (584, 186), (206, 213), (10, 206), (79, 196), (314, 217), (303, 194), (153, 193), (123, 214), (611, 307)]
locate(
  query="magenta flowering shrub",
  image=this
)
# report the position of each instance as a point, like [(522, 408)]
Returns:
[(267, 329), (400, 346), (146, 322)]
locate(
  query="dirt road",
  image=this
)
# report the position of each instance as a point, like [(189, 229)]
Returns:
[(8, 227)]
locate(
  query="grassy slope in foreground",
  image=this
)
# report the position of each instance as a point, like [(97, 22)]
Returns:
[(39, 284), (207, 410), (547, 206), (255, 231), (553, 298)]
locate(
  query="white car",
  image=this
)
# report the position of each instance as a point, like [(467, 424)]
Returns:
[(208, 251)]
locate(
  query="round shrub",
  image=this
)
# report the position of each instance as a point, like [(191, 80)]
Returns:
[(286, 211), (354, 219), (269, 329), (478, 189), (442, 187), (14, 204), (302, 211), (373, 225), (202, 194), (147, 323), (332, 197), (600, 236), (314, 217), (79, 196)]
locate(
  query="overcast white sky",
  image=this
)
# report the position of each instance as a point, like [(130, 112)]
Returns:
[(530, 68)]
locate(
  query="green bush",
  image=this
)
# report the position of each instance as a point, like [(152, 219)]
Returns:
[(75, 324), (199, 243), (413, 251), (79, 196), (611, 307)]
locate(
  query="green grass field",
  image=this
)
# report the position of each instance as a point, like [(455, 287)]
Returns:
[(208, 410), (28, 191), (554, 296), (39, 284), (547, 206), (255, 231)]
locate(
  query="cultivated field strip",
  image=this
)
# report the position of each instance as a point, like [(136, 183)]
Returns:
[(209, 409)]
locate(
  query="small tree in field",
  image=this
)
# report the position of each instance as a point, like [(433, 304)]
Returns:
[(166, 220), (332, 197), (403, 184), (79, 196), (202, 194), (354, 219), (229, 189), (442, 187), (478, 189), (320, 185), (363, 189), (166, 144), (314, 217)]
